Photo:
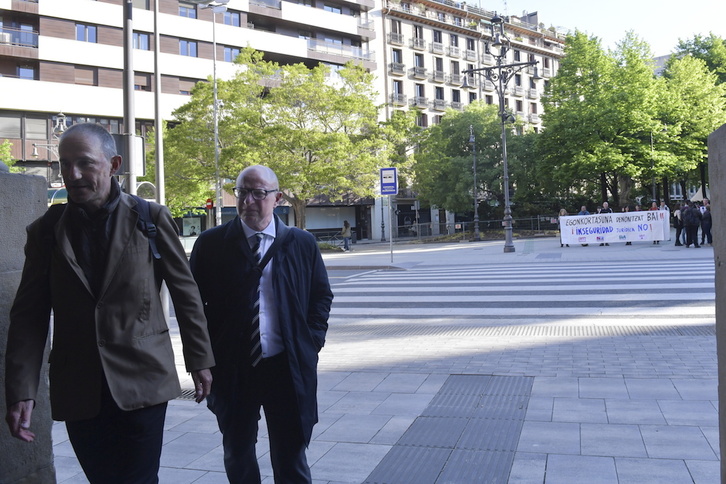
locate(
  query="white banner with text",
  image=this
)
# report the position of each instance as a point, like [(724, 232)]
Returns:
[(615, 227)]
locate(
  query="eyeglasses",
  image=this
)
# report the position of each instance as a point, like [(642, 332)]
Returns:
[(257, 193)]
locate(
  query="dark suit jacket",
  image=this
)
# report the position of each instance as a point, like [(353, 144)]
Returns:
[(224, 268), (122, 333)]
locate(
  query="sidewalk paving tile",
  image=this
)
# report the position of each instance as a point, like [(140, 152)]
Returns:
[(579, 469)]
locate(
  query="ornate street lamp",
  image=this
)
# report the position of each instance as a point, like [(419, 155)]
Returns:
[(472, 140), (218, 6), (500, 75)]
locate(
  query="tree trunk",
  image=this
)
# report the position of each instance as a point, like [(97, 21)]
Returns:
[(626, 186), (298, 207), (603, 187), (666, 191)]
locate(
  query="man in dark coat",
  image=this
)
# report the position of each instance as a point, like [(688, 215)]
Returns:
[(692, 220), (264, 286)]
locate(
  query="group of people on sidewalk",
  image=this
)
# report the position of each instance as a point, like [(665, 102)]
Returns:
[(687, 218), (252, 305)]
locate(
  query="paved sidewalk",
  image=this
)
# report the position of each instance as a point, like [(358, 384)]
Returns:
[(625, 409)]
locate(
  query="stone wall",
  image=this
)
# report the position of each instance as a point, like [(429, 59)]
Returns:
[(22, 199)]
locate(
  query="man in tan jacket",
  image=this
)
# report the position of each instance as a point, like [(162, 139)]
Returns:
[(112, 368)]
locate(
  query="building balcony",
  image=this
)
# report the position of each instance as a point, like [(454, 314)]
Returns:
[(348, 51), (398, 99), (418, 44), (488, 85), (534, 118), (455, 79), (276, 4), (437, 48), (419, 102), (454, 51), (418, 72), (532, 93), (439, 105), (470, 55), (18, 38), (397, 69), (471, 81), (438, 76), (487, 59), (395, 39), (457, 105), (518, 91), (546, 72)]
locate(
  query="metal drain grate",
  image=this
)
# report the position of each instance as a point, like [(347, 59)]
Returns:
[(468, 433)]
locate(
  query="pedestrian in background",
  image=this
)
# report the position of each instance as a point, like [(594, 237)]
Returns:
[(267, 297), (678, 224), (605, 209), (692, 219), (706, 226), (346, 234), (563, 213), (112, 368)]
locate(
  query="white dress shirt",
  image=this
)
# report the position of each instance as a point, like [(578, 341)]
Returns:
[(270, 335)]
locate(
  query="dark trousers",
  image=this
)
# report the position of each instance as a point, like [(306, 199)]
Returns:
[(706, 236), (117, 446), (680, 235), (268, 386), (692, 235)]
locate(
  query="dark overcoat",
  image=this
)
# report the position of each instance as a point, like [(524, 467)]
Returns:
[(225, 270)]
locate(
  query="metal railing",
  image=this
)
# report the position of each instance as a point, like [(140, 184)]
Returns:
[(489, 230)]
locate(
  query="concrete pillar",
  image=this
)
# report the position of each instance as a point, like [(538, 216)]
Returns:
[(717, 183), (23, 198)]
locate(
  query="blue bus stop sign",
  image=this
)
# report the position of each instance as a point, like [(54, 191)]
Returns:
[(389, 181)]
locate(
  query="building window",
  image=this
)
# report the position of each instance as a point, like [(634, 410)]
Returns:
[(438, 36), (29, 73), (454, 40), (520, 106), (86, 76), (86, 33), (188, 10), (533, 108), (420, 90), (418, 60), (532, 84), (518, 80), (546, 62), (142, 82), (305, 34), (141, 41), (470, 44), (397, 56), (418, 32), (422, 120), (142, 4), (187, 48), (456, 95), (397, 87), (396, 26), (472, 97), (531, 58), (230, 53), (10, 126), (186, 86), (232, 18), (438, 64), (489, 99), (439, 93), (517, 56), (454, 67), (332, 9)]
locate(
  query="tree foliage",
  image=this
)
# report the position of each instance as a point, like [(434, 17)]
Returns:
[(318, 132), (710, 49)]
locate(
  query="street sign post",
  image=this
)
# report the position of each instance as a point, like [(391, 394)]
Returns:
[(389, 181)]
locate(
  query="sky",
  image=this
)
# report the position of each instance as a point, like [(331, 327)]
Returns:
[(661, 23)]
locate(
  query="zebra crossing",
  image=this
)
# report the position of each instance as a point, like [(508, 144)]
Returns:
[(570, 294)]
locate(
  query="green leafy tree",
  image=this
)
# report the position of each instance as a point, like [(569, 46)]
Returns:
[(320, 136), (710, 49), (444, 171), (7, 157), (599, 111)]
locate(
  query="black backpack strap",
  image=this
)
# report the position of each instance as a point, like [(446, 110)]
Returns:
[(146, 224)]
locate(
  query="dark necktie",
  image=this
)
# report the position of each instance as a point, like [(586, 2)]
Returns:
[(255, 343)]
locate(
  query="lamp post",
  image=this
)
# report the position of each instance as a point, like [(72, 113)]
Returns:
[(52, 148), (216, 7), (472, 140), (500, 75)]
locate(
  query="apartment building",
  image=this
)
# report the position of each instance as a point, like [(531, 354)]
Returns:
[(61, 62), (427, 45)]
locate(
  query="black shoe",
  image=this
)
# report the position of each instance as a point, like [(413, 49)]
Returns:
[(678, 244), (696, 246), (628, 243), (607, 244), (601, 245), (567, 245), (585, 245), (562, 245)]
